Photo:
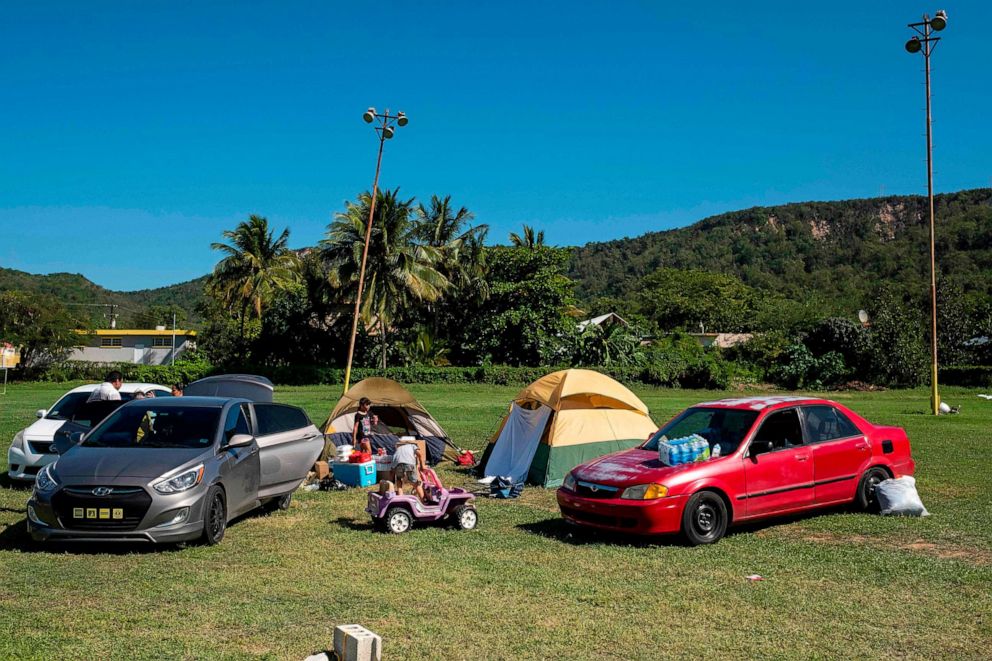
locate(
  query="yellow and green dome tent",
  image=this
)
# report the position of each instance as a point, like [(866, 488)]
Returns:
[(562, 420)]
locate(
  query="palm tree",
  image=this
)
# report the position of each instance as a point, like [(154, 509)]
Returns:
[(255, 268), (399, 271), (460, 244), (529, 238)]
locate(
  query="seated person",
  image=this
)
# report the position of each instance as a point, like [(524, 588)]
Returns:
[(407, 466)]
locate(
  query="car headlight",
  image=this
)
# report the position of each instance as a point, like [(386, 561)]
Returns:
[(645, 492), (18, 443), (569, 482), (185, 480), (45, 481)]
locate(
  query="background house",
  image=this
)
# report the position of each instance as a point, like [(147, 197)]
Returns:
[(141, 346)]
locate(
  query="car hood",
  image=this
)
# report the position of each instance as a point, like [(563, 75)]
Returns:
[(110, 463), (627, 468), (42, 429)]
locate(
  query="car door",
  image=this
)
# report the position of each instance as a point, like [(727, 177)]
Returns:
[(840, 453), (779, 477), (240, 472), (288, 443)]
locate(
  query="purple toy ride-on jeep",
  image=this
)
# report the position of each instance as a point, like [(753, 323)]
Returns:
[(394, 512)]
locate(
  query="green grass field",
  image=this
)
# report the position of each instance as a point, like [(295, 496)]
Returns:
[(524, 586)]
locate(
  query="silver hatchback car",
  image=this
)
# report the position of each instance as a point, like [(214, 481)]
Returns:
[(173, 470)]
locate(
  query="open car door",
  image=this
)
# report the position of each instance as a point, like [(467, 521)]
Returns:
[(288, 445)]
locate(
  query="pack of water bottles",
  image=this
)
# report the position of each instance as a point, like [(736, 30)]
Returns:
[(685, 450)]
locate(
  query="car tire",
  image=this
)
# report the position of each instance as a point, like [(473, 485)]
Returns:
[(704, 519), (465, 517), (280, 503), (398, 521), (865, 499), (214, 516)]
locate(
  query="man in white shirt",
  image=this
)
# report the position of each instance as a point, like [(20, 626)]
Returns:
[(108, 390)]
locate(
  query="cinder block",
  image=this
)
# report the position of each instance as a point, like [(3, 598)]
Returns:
[(353, 642)]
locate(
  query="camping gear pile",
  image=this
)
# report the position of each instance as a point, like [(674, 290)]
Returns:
[(562, 420), (396, 409)]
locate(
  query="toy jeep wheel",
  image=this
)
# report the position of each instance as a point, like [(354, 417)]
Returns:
[(466, 517), (398, 520)]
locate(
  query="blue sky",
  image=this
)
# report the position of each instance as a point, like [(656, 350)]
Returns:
[(133, 133)]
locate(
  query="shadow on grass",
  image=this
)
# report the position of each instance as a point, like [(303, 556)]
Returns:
[(352, 524), (15, 537), (14, 485), (563, 531)]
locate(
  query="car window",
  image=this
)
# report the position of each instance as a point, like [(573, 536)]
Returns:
[(236, 422), (720, 426), (782, 428), (143, 425), (825, 423), (276, 418)]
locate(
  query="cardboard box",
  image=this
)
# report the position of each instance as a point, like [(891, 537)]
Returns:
[(322, 469)]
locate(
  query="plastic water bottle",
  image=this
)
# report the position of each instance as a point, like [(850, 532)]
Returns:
[(715, 452), (685, 454), (673, 454)]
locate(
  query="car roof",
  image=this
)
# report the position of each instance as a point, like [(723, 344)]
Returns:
[(761, 403), (127, 387), (190, 402)]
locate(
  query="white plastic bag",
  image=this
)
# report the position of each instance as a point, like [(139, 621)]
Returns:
[(899, 497)]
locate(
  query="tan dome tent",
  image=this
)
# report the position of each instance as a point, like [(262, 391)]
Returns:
[(562, 420), (400, 414)]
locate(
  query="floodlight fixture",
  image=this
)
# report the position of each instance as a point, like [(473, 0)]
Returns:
[(401, 118), (939, 21), (914, 45), (369, 115)]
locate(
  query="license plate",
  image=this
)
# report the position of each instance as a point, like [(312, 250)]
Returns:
[(95, 513)]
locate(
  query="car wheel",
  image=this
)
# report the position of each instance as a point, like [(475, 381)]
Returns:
[(465, 517), (866, 500), (398, 520), (214, 516), (704, 519), (280, 503)]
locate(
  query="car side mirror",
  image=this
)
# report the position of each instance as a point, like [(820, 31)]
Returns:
[(239, 441), (760, 447), (41, 413)]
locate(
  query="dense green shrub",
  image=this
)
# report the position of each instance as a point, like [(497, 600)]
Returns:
[(974, 376), (184, 371)]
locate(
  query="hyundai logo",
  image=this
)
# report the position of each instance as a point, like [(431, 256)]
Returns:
[(592, 487), (102, 491)]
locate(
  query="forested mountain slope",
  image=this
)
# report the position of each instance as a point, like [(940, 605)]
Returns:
[(840, 250)]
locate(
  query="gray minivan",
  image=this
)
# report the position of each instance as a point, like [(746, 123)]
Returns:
[(173, 470)]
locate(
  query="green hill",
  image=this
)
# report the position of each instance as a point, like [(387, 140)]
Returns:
[(839, 250), (83, 296)]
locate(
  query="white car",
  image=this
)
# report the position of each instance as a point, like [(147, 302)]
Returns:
[(31, 449)]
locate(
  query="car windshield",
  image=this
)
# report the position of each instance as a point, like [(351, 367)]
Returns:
[(149, 426), (70, 404), (719, 426)]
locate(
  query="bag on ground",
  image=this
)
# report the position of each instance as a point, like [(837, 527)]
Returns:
[(898, 497)]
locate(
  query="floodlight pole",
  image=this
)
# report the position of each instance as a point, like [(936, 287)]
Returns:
[(385, 129), (926, 43)]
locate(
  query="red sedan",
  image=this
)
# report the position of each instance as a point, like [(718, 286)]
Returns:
[(776, 455)]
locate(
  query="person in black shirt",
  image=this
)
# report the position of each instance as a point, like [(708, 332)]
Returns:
[(361, 434)]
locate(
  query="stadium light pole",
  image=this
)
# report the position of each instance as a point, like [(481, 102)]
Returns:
[(924, 42), (385, 127)]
